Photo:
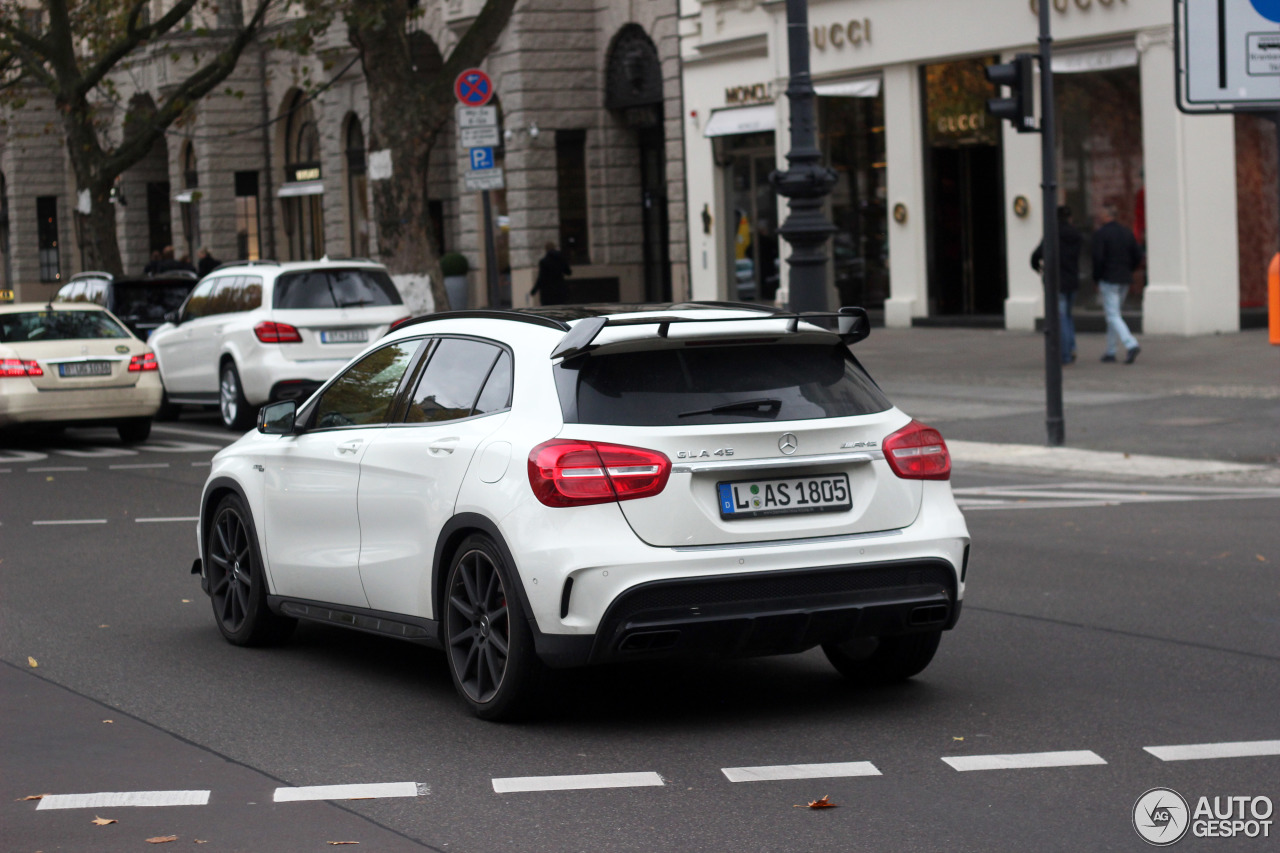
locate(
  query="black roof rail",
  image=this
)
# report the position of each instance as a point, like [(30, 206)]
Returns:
[(853, 324), (712, 303), (489, 314)]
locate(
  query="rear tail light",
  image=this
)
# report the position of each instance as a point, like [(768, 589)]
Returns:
[(19, 367), (143, 362), (277, 333), (398, 323), (579, 473), (917, 452)]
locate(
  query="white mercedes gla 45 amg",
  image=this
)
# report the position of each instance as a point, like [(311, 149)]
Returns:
[(571, 486)]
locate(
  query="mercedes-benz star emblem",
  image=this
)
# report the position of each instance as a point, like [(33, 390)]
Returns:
[(788, 444)]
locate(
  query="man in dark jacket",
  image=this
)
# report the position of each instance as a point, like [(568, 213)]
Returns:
[(1068, 278), (1115, 256), (551, 272)]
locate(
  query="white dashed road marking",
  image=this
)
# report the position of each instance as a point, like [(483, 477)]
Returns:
[(346, 792), (520, 784), (172, 518), (72, 521), (1025, 760), (47, 469), (1193, 751), (139, 465), (1060, 495), (124, 798), (800, 771)]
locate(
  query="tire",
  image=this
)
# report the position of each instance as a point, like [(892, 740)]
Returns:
[(134, 430), (237, 582), (167, 411), (232, 405), (488, 642), (883, 661)]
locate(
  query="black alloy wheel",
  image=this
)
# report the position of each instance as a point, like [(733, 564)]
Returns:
[(237, 585), (488, 641)]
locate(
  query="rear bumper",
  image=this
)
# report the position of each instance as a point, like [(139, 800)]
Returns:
[(268, 371), (21, 405), (764, 613)]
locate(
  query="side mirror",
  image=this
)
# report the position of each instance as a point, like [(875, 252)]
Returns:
[(854, 324), (278, 418), (174, 317)]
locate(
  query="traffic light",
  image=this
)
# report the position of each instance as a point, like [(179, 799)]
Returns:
[(1019, 108)]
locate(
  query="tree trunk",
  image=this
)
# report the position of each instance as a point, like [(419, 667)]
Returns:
[(99, 246), (96, 230)]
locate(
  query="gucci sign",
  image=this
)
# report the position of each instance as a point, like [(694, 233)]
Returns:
[(1061, 6), (853, 33)]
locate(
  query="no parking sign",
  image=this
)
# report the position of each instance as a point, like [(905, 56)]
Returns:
[(473, 88)]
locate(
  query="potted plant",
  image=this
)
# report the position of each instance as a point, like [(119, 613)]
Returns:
[(454, 266)]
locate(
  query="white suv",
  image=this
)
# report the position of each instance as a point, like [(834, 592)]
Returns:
[(569, 486), (260, 331)]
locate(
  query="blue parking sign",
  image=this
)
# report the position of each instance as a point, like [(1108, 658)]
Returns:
[(481, 158)]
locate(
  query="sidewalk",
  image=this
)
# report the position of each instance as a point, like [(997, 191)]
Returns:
[(1210, 398)]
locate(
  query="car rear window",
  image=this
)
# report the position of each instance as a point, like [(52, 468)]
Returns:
[(33, 326), (334, 289), (149, 301), (739, 383)]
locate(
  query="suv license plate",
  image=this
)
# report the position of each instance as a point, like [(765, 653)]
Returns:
[(85, 368), (754, 498), (344, 336)]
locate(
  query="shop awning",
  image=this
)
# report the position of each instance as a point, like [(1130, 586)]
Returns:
[(863, 87), (742, 120), (297, 188), (185, 197), (1095, 59)]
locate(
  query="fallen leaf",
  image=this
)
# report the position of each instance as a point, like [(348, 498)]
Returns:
[(108, 721), (32, 797), (102, 821), (186, 601), (953, 737), (824, 803), (31, 662), (1261, 559), (161, 839), (335, 843), (104, 626), (198, 841)]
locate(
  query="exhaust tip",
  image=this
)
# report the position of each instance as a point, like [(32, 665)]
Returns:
[(930, 614), (648, 641)]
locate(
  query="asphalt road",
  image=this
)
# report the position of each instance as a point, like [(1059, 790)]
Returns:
[(1096, 630)]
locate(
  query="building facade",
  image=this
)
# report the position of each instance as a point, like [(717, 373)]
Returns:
[(937, 204), (276, 164)]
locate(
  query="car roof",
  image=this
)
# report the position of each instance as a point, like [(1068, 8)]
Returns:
[(295, 266), (23, 307)]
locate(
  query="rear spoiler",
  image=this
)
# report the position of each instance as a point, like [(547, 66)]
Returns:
[(852, 325)]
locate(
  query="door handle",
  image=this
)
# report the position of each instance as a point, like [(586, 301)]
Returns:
[(350, 446), (443, 446)]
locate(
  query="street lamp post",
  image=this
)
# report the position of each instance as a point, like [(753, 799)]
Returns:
[(806, 181)]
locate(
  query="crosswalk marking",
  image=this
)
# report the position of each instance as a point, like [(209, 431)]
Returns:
[(346, 792), (117, 799), (1026, 760), (522, 784), (1194, 751), (800, 771), (1070, 495)]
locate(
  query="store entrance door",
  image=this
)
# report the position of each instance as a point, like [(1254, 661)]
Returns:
[(968, 275), (964, 191), (752, 221)]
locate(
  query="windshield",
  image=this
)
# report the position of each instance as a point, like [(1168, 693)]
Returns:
[(335, 289), (58, 326), (738, 383)]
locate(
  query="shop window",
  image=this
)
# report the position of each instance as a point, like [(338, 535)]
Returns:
[(853, 144), (47, 237), (159, 218), (357, 190), (752, 221), (248, 246), (1256, 204), (571, 194), (302, 199)]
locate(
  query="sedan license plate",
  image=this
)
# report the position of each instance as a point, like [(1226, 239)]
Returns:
[(85, 368), (344, 336), (754, 498)]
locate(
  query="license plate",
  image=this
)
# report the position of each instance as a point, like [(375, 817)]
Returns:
[(754, 498), (85, 368), (344, 336)]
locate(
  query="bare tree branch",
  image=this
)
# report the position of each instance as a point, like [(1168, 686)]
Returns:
[(133, 37)]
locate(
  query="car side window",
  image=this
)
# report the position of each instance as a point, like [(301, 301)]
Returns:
[(198, 302), (97, 292), (223, 298), (496, 395), (362, 396), (452, 380)]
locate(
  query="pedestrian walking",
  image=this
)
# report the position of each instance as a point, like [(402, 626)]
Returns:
[(1068, 279), (552, 270), (1115, 256), (207, 263)]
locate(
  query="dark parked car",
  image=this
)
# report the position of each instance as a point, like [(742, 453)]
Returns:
[(140, 303)]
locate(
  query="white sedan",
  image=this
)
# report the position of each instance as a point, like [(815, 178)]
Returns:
[(75, 364)]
